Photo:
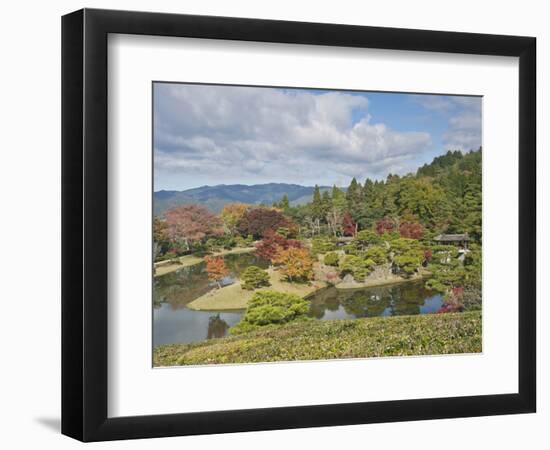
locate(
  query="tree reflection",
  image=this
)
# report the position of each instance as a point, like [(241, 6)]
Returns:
[(217, 327), (401, 299), (189, 283), (324, 300), (365, 303)]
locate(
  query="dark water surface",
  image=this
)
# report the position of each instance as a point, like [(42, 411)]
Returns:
[(174, 323)]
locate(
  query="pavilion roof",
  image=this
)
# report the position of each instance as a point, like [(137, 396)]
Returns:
[(452, 237)]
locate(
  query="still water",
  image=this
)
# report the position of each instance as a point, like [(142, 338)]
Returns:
[(174, 323)]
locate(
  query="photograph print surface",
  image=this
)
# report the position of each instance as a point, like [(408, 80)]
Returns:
[(314, 224)]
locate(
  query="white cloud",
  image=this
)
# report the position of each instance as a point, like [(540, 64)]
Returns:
[(226, 134), (464, 119)]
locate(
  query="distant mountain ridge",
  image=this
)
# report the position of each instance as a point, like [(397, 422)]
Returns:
[(215, 197)]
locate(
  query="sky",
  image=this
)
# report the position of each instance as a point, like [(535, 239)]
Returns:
[(216, 134)]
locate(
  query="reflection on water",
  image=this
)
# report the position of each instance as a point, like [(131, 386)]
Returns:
[(188, 283), (182, 325), (217, 327), (173, 322), (392, 300)]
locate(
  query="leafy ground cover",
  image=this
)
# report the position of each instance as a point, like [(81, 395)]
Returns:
[(431, 334)]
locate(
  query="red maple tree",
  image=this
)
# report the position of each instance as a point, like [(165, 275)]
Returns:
[(386, 225), (411, 230), (272, 242), (258, 221), (349, 226)]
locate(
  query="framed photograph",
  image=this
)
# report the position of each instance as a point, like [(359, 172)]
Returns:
[(272, 224)]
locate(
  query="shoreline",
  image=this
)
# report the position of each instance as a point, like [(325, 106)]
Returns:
[(169, 266), (234, 297), (397, 280)]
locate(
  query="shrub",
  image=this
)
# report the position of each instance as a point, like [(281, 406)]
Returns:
[(409, 261), (378, 253), (471, 298), (271, 308), (453, 301), (284, 232), (357, 266), (239, 241), (448, 272), (212, 245), (366, 238), (222, 242), (332, 259), (332, 278), (322, 245), (408, 254), (462, 299), (253, 277)]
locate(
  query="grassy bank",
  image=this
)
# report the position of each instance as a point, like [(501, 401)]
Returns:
[(235, 297), (164, 267), (430, 334)]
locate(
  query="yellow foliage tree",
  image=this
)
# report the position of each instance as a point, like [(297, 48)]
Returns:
[(231, 214)]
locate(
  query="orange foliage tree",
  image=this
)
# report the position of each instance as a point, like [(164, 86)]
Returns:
[(296, 263), (271, 243), (215, 268)]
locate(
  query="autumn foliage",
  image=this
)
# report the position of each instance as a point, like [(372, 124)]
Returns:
[(411, 230), (349, 227), (386, 225), (272, 242), (231, 214), (258, 220), (215, 268), (296, 263), (191, 223)]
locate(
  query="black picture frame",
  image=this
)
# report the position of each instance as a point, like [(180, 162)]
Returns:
[(84, 224)]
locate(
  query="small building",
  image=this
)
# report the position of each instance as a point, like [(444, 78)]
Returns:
[(461, 240)]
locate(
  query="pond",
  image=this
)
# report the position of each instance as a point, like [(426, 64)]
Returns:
[(174, 323)]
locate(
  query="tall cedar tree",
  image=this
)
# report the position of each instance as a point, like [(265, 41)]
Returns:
[(317, 207), (354, 200), (326, 203)]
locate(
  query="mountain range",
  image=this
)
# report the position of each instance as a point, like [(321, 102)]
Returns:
[(215, 197)]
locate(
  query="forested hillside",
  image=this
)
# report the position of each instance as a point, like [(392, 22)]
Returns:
[(444, 196)]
